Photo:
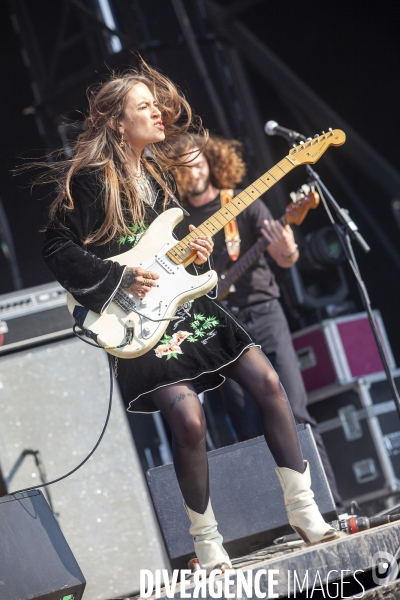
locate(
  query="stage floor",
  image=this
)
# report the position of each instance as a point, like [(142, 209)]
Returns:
[(301, 571)]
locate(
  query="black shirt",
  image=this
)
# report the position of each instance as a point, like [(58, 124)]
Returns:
[(258, 283)]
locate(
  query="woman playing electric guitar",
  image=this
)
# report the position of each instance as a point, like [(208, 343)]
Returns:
[(111, 191)]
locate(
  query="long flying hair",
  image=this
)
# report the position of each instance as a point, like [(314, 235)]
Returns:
[(98, 148), (224, 157)]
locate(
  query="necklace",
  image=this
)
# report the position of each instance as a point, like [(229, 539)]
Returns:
[(144, 187), (139, 174)]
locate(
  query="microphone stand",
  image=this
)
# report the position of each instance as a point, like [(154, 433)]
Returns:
[(346, 230)]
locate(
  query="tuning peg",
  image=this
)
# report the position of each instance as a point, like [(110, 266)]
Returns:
[(316, 136), (293, 196), (301, 143), (330, 130), (309, 139)]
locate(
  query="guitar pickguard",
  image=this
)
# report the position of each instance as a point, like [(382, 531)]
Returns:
[(148, 317)]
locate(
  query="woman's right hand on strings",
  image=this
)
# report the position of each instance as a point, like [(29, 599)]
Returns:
[(138, 281)]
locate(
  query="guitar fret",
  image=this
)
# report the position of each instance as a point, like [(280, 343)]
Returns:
[(253, 190), (218, 224), (231, 212), (263, 189), (251, 197), (226, 212), (219, 213), (238, 200), (262, 179), (208, 225)]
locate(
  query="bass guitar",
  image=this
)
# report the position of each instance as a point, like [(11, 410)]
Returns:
[(130, 327), (294, 215)]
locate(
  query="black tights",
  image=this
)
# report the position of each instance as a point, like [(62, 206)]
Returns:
[(182, 408)]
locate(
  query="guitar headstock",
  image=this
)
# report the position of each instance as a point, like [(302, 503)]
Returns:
[(307, 153), (297, 211)]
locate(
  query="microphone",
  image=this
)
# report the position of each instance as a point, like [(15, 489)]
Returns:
[(272, 128)]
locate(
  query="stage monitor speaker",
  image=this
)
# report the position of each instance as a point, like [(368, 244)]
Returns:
[(246, 496), (36, 562)]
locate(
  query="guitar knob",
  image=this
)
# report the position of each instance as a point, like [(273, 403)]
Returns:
[(143, 302), (146, 331)]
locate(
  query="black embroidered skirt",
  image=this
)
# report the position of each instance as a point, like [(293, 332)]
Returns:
[(194, 348)]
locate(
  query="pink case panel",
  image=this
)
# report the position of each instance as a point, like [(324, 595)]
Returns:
[(324, 372), (360, 348)]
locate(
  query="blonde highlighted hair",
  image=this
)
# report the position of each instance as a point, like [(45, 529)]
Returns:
[(98, 148), (224, 157)]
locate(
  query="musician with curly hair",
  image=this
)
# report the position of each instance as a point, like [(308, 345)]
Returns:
[(255, 298), (116, 185)]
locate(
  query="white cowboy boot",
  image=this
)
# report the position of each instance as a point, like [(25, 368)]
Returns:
[(207, 540), (302, 511)]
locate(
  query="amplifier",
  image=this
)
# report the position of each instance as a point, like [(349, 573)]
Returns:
[(341, 350), (33, 316), (360, 426)]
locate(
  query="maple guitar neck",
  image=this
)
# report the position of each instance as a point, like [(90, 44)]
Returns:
[(306, 153), (241, 266), (182, 253)]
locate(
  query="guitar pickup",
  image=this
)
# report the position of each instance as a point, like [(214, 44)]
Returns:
[(166, 264)]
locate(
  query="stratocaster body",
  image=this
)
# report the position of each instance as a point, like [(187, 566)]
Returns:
[(175, 287)]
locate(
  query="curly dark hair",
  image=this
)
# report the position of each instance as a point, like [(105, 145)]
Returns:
[(224, 157)]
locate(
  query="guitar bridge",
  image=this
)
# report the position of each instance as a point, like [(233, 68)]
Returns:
[(124, 301)]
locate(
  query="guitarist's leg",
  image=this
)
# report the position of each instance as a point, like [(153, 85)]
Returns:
[(254, 372), (182, 408), (267, 324)]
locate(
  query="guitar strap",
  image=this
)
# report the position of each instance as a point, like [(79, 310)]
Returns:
[(232, 237)]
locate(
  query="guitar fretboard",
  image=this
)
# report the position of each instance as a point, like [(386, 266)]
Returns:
[(182, 253), (241, 266)]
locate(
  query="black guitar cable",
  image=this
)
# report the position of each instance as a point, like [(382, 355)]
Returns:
[(110, 365)]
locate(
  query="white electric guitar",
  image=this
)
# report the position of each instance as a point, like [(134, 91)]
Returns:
[(130, 326)]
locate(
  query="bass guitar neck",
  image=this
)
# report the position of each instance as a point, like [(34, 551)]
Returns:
[(295, 214)]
